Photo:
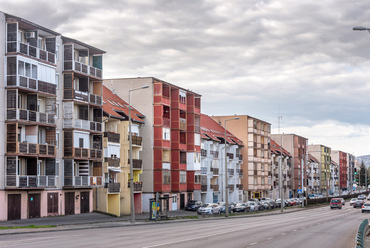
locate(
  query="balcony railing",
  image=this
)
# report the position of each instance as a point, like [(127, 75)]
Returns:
[(30, 148), (230, 172), (239, 171), (113, 187), (203, 153), (138, 186), (81, 181), (215, 187), (82, 124), (112, 162), (31, 116), (112, 137), (82, 68), (239, 186), (83, 153), (31, 84), (136, 164), (231, 187), (203, 187), (136, 140), (31, 51), (230, 155), (82, 96), (31, 181), (239, 156)]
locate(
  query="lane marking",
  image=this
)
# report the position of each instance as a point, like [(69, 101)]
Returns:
[(253, 243)]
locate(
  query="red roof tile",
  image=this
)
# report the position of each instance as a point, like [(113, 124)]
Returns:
[(210, 129), (275, 148), (113, 105)]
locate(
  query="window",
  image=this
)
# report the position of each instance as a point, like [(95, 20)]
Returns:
[(197, 179), (81, 142), (57, 52), (166, 177), (262, 167), (57, 168), (57, 80), (19, 101), (57, 110), (255, 180), (166, 134), (182, 176), (262, 180), (20, 35), (57, 139)]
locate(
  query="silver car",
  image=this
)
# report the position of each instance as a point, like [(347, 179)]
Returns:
[(209, 208), (365, 207)]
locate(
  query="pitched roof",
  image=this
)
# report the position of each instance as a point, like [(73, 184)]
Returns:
[(275, 148), (211, 130), (115, 106), (312, 159)]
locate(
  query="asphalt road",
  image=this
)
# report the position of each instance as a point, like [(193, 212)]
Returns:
[(318, 227)]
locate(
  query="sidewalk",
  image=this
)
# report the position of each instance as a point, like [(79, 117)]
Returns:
[(99, 220)]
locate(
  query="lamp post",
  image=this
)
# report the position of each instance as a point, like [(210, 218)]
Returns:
[(226, 184), (132, 204)]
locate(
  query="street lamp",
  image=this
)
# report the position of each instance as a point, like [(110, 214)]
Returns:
[(226, 184), (132, 204), (361, 29)]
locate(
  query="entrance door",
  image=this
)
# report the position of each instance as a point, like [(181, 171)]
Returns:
[(14, 207), (182, 201), (174, 202), (52, 204), (34, 201), (70, 202), (85, 202)]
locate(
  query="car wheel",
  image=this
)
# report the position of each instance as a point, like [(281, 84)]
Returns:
[(340, 207), (362, 211)]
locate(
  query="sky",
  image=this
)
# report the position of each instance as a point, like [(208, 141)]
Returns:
[(297, 59)]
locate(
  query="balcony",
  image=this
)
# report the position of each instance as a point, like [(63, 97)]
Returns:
[(31, 51), (82, 181), (136, 140), (166, 122), (203, 187), (239, 186), (203, 153), (112, 137), (112, 162), (239, 172), (182, 124), (30, 116), (31, 181), (82, 96), (31, 84), (231, 187), (82, 124), (113, 187), (83, 153), (230, 155), (230, 172), (72, 65), (203, 170), (215, 154), (215, 187), (26, 148), (239, 156), (138, 186), (137, 164), (214, 170)]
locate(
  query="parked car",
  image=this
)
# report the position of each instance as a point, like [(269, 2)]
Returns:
[(287, 203), (222, 207), (336, 203), (365, 207), (368, 197), (343, 201), (352, 201), (273, 204), (292, 202), (266, 205), (361, 197), (265, 199), (241, 207), (254, 199), (358, 203), (278, 203), (193, 205), (209, 208), (253, 206)]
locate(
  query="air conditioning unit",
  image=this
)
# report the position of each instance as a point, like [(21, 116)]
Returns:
[(30, 35)]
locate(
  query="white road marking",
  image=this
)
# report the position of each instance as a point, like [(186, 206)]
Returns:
[(254, 243)]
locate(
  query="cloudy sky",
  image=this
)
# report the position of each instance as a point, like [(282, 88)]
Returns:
[(297, 59)]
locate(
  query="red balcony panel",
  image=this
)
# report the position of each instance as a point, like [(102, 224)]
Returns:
[(157, 165), (197, 148), (166, 188), (157, 177), (182, 106), (175, 165), (190, 148), (166, 100), (182, 146), (182, 166), (157, 99), (175, 187), (183, 187), (197, 110), (166, 144)]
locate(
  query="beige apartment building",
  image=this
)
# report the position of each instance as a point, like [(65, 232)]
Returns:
[(297, 146), (323, 155), (255, 135)]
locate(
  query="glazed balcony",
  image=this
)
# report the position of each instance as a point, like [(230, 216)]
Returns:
[(31, 84), (137, 164), (230, 155), (70, 94), (30, 116), (25, 148), (82, 181), (31, 51), (24, 181), (82, 124), (72, 65), (83, 153), (166, 122)]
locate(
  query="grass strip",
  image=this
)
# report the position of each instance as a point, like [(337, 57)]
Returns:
[(24, 227)]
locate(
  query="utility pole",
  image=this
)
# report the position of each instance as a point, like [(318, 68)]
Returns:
[(281, 166)]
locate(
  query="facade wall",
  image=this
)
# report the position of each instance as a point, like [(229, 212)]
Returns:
[(2, 99)]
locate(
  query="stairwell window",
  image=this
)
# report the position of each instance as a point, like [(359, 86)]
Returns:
[(166, 177), (166, 134), (182, 176)]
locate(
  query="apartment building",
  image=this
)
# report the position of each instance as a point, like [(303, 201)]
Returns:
[(280, 157), (313, 175), (255, 134), (297, 146), (351, 170), (114, 197), (334, 178), (49, 166), (213, 176), (171, 138), (323, 155), (340, 158)]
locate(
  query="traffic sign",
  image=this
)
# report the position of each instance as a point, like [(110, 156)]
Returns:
[(299, 191)]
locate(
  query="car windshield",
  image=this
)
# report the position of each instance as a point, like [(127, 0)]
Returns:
[(222, 204), (335, 201), (240, 204), (367, 204), (205, 205), (353, 199), (251, 203), (192, 202)]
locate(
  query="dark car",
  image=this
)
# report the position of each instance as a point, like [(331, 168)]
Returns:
[(242, 207), (222, 207), (358, 203), (193, 205)]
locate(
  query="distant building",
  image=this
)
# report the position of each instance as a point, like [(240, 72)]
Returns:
[(323, 155), (340, 158), (313, 175)]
